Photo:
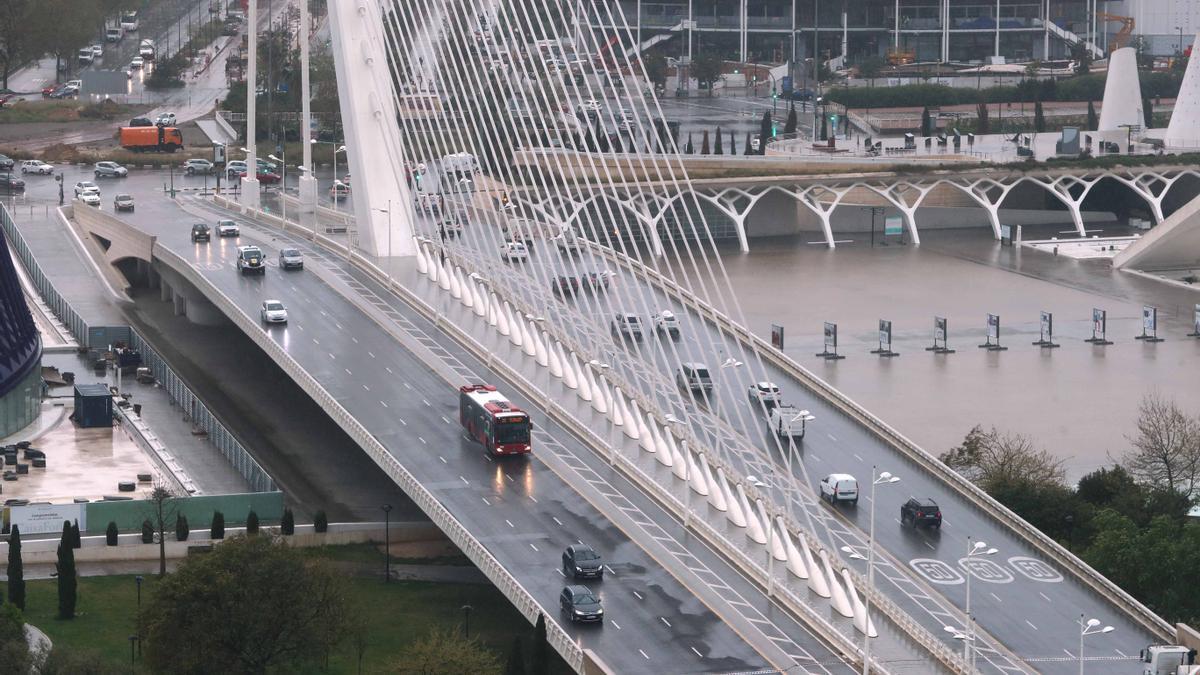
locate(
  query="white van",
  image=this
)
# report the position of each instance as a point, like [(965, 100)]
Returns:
[(462, 163), (787, 421), (839, 487)]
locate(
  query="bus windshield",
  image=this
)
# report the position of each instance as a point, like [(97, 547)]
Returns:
[(512, 432)]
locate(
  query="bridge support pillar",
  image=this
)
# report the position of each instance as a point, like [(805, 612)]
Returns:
[(795, 563), (164, 290), (816, 578), (753, 528), (180, 304), (838, 598), (861, 621), (716, 496), (734, 511)]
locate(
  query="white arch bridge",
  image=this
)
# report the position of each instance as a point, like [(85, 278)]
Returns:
[(649, 203)]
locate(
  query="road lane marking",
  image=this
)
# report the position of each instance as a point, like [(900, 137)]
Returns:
[(664, 620), (696, 652), (637, 595), (1120, 653), (644, 654), (610, 570), (442, 458), (370, 354), (1045, 597), (402, 421), (814, 457), (1069, 654), (560, 572), (615, 625), (387, 368), (532, 546), (931, 546), (383, 403), (426, 402), (316, 341), (347, 371), (331, 355), (535, 501), (445, 420), (556, 520), (464, 480), (995, 596), (832, 437), (340, 328), (1030, 624), (406, 385), (857, 457), (366, 387), (354, 339), (510, 478), (420, 438), (509, 523)]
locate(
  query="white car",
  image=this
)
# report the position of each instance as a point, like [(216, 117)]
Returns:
[(97, 51), (665, 322), (90, 198), (166, 119), (228, 228), (513, 250), (839, 487), (273, 311), (86, 186), (234, 169), (36, 166), (765, 393), (137, 63)]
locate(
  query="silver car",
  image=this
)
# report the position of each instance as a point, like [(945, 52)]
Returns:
[(195, 166), (273, 311), (290, 258), (110, 170)]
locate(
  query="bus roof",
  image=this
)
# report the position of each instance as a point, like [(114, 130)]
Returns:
[(486, 396)]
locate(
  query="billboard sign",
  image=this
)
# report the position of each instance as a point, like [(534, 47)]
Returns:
[(939, 330), (885, 335), (1099, 323), (777, 336), (893, 225), (47, 518), (830, 337), (993, 327), (1149, 320), (1047, 333)]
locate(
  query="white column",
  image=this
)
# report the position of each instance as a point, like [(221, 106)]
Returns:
[(838, 599), (249, 198), (716, 496), (422, 258), (630, 414), (308, 182), (502, 324), (735, 513), (772, 541), (598, 402), (697, 477), (527, 344), (795, 563), (816, 578), (556, 368), (539, 346), (861, 622), (569, 376), (514, 325), (444, 278), (663, 454), (645, 436), (753, 528), (618, 408), (679, 466)]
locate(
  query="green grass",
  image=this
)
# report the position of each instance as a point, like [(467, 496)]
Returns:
[(395, 614)]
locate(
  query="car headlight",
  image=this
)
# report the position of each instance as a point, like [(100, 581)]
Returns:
[(578, 613), (600, 611), (578, 568)]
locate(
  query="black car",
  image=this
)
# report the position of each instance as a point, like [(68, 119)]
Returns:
[(6, 163), (9, 181), (921, 512), (580, 560), (580, 604), (141, 122), (200, 232)]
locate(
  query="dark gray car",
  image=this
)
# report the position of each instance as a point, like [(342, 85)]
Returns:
[(580, 604), (580, 561)]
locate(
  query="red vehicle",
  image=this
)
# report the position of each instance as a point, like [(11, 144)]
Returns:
[(491, 419), (266, 177)]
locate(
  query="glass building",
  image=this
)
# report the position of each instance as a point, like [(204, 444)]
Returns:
[(20, 352)]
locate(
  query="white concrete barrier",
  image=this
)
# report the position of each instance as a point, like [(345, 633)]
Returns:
[(840, 602), (860, 610), (644, 435), (585, 389), (697, 477), (753, 528), (663, 454), (617, 410), (528, 342), (773, 541), (734, 513), (539, 346), (556, 369), (795, 563), (716, 496), (568, 372), (679, 466), (816, 578)]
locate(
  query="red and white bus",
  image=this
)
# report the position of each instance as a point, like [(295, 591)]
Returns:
[(491, 419)]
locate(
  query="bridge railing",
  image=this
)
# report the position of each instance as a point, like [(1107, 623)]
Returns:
[(968, 490), (521, 598), (55, 300)]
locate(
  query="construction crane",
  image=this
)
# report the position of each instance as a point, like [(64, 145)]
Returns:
[(1121, 39)]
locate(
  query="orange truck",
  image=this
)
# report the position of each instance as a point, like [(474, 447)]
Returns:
[(151, 139)]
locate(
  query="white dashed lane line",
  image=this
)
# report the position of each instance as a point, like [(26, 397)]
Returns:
[(664, 620), (995, 596), (354, 339), (422, 439), (857, 457), (371, 354), (388, 368), (464, 480), (445, 420), (696, 652), (556, 521), (347, 371), (383, 403), (1045, 597), (442, 458), (637, 595), (1030, 624), (509, 523), (832, 437), (533, 547), (615, 625), (366, 387), (485, 501)]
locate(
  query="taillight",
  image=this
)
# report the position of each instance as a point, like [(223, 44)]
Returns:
[(920, 515), (939, 514)]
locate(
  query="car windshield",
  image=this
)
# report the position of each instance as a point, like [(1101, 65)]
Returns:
[(585, 599), (586, 554), (512, 432), (124, 198), (702, 373), (274, 306), (225, 223), (289, 252)]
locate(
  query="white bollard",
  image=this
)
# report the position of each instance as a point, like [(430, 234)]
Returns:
[(479, 297), (556, 369), (619, 413), (839, 600), (795, 563), (585, 389), (514, 333), (493, 310), (697, 479), (663, 455), (860, 610), (645, 436), (502, 323), (679, 466), (422, 261), (464, 287), (773, 540), (455, 287), (753, 527), (527, 337), (631, 428), (568, 372), (434, 272), (598, 400), (539, 346), (716, 496), (816, 578), (735, 514), (444, 276)]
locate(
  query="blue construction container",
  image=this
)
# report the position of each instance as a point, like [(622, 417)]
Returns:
[(93, 405)]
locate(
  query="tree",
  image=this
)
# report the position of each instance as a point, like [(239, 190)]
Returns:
[(732, 143), (76, 540), (17, 44), (539, 664), (706, 68), (14, 651), (217, 529), (1166, 448), (445, 652), (749, 150), (147, 532), (718, 148), (991, 458), (163, 510), (1148, 111), (984, 124), (656, 68), (57, 37), (824, 128), (1039, 117), (1032, 68), (297, 614), (870, 68), (704, 143), (287, 524), (689, 148), (1083, 59), (252, 522), (63, 660), (182, 529), (1092, 122), (766, 131), (516, 659), (926, 122), (67, 583), (111, 534), (16, 569), (320, 521), (793, 121)]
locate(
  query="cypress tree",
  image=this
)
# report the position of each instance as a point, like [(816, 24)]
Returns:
[(320, 521), (926, 122), (182, 529), (110, 534), (985, 124), (748, 150), (689, 148), (764, 133), (704, 143), (732, 143), (252, 522), (147, 532), (1148, 112), (824, 128), (217, 530), (287, 524), (1093, 123), (1039, 118), (66, 575), (789, 127), (540, 663), (76, 541), (718, 149), (516, 659), (16, 569)]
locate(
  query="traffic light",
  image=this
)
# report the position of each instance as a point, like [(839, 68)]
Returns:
[(774, 129), (774, 93)]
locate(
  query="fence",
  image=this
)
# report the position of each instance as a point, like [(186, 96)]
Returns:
[(201, 417), (128, 515), (50, 294)]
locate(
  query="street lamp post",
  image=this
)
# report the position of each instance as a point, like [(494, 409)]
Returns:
[(1086, 628), (282, 182), (387, 543), (388, 211), (467, 620), (336, 149), (973, 548), (139, 579), (877, 478)]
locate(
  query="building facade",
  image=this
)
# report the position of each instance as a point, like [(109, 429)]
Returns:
[(20, 351), (959, 31)]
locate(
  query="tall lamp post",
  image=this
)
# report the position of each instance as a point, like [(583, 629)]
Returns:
[(282, 182), (388, 211), (1086, 628), (877, 478), (387, 543), (139, 579), (973, 548), (336, 149)]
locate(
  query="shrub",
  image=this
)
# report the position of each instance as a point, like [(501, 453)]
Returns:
[(147, 532), (287, 525), (110, 534), (217, 531), (181, 528), (76, 541), (252, 522), (320, 521)]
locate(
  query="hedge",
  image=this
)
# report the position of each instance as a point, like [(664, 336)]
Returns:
[(1080, 88)]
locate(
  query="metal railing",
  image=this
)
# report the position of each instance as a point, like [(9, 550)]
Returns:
[(202, 418), (57, 303), (522, 599)]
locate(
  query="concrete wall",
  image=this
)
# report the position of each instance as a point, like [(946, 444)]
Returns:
[(128, 515)]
